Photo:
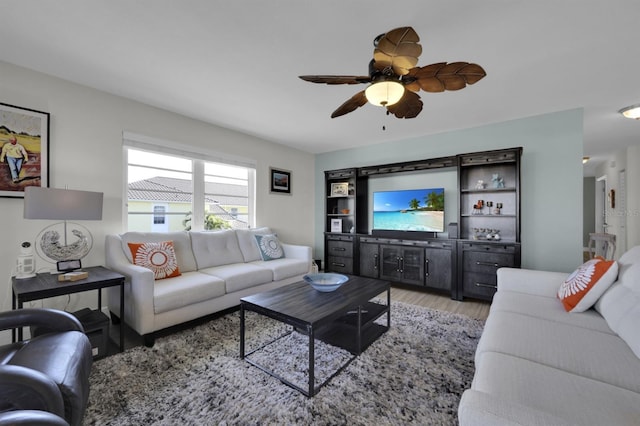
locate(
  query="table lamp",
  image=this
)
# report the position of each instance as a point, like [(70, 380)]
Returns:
[(54, 242)]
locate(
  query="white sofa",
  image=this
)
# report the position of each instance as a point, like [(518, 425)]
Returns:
[(217, 269), (537, 364)]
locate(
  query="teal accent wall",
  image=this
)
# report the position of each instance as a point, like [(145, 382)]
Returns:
[(551, 173)]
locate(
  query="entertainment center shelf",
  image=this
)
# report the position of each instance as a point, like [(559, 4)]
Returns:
[(496, 216), (462, 263), (480, 191)]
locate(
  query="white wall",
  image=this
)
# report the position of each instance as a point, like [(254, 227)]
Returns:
[(629, 160), (633, 196), (551, 178), (86, 153)]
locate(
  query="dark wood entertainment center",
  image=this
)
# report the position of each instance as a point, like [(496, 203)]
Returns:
[(462, 263)]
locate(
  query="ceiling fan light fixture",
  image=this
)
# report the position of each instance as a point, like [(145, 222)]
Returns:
[(632, 111), (384, 93)]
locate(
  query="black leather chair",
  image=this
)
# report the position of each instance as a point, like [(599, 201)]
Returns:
[(50, 371), (31, 418)]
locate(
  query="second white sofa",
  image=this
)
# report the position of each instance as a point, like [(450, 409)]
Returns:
[(217, 269), (537, 364)]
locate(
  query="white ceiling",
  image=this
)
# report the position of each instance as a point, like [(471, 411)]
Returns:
[(235, 63)]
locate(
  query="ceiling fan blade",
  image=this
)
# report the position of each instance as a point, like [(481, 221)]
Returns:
[(355, 102), (443, 76), (337, 79), (409, 106), (472, 73), (397, 49)]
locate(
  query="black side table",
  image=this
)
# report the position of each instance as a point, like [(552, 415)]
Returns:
[(46, 285)]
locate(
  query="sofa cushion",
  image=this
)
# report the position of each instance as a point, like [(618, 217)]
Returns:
[(215, 248), (549, 308), (247, 242), (239, 276), (586, 284), (631, 256), (269, 246), (615, 303), (185, 290), (575, 399), (599, 356), (285, 267), (620, 305), (629, 330), (482, 408), (622, 296), (181, 245), (159, 257)]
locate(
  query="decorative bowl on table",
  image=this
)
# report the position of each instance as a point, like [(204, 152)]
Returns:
[(326, 282)]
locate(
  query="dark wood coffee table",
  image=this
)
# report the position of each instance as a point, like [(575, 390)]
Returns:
[(343, 318)]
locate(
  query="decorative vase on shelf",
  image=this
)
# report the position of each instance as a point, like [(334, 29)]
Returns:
[(497, 181)]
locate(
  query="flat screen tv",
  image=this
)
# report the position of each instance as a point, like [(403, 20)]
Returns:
[(420, 210)]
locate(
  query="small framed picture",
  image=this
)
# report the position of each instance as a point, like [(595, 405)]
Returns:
[(336, 225), (340, 189), (280, 181)]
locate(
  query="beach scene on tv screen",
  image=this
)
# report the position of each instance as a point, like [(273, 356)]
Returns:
[(409, 210)]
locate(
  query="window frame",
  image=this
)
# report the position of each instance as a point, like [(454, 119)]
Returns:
[(198, 158)]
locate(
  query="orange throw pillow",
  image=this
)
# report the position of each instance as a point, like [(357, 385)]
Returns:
[(159, 257), (582, 289)]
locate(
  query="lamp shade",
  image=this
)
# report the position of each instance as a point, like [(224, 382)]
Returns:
[(62, 204), (384, 93)]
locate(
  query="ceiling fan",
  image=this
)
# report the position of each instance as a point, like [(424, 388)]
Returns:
[(394, 78)]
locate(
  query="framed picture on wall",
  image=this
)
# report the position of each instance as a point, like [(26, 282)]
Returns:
[(24, 155), (280, 181)]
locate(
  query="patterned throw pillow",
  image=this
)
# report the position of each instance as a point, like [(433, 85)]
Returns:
[(269, 246), (159, 257), (582, 289)]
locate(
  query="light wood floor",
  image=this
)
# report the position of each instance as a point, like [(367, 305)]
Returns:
[(471, 308)]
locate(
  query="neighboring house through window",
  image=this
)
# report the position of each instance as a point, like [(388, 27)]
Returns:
[(171, 187)]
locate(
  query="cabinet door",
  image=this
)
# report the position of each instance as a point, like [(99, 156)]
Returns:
[(412, 266), (438, 268), (390, 265), (369, 260)]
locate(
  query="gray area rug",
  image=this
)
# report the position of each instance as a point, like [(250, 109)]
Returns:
[(413, 374)]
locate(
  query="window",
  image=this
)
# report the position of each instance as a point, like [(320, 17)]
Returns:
[(158, 215), (180, 190)]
